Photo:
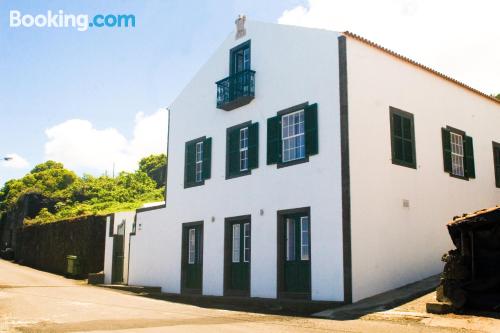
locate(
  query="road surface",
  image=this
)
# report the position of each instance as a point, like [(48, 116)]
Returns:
[(35, 301)]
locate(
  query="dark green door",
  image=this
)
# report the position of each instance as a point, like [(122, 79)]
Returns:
[(239, 267), (297, 264), (117, 266), (193, 244)]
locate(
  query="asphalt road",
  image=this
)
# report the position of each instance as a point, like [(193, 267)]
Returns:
[(35, 301)]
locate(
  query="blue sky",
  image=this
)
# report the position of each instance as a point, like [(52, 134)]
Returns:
[(105, 76), (91, 99)]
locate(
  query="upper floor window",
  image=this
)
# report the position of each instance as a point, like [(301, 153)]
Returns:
[(238, 88), (240, 58), (197, 166), (402, 138), (458, 153), (292, 136), (242, 148)]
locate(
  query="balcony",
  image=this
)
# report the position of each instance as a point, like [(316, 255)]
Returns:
[(236, 90)]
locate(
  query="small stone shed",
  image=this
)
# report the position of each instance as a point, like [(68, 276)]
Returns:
[(471, 276)]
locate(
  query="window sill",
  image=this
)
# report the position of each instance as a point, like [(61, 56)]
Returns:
[(240, 174), (459, 177), (294, 162), (404, 164), (194, 184)]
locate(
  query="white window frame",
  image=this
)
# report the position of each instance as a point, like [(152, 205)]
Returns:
[(192, 246), (243, 144), (288, 125), (236, 243), (290, 239), (199, 162), (304, 238), (246, 242), (457, 154)]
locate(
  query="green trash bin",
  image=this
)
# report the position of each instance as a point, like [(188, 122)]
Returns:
[(73, 267)]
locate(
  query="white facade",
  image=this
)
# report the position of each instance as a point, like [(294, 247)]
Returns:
[(390, 245), (393, 245), (115, 220)]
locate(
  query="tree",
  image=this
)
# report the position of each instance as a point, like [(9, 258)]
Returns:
[(59, 193), (155, 167), (497, 96)]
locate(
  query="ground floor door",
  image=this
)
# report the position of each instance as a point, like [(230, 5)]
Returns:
[(294, 249), (237, 256), (118, 254), (192, 257)]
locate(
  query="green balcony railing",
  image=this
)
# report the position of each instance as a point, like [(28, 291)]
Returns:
[(236, 90)]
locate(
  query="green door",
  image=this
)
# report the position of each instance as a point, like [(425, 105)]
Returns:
[(297, 264), (193, 244), (117, 266), (239, 267)]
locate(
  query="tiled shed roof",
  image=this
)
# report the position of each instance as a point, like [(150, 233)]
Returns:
[(428, 69), (465, 217)]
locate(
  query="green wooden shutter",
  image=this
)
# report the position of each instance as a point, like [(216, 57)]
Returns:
[(470, 170), (274, 140), (253, 146), (311, 129), (189, 163), (233, 152), (496, 160), (445, 135), (207, 158), (397, 141)]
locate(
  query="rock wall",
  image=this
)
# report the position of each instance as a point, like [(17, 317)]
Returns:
[(45, 246)]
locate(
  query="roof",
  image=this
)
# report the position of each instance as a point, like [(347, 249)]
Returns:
[(413, 62), (465, 217)]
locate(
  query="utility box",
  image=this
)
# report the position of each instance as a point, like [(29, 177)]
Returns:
[(73, 265)]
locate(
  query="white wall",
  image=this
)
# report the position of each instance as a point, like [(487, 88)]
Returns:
[(293, 65), (392, 245), (119, 217)]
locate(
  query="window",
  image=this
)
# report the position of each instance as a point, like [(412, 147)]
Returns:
[(192, 246), (246, 242), (304, 238), (244, 149), (197, 166), (290, 240), (199, 161), (496, 162), (458, 153), (402, 138), (240, 58), (236, 242), (292, 135)]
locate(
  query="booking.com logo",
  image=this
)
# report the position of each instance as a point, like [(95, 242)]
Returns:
[(81, 22)]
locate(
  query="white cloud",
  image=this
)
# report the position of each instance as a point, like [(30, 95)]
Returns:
[(82, 147), (456, 37), (14, 161)]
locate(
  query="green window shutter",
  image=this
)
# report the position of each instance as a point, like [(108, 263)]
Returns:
[(233, 151), (253, 146), (470, 170), (311, 129), (274, 140), (496, 160), (445, 134), (189, 163), (397, 133), (207, 158)]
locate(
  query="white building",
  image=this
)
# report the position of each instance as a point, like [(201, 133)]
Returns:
[(119, 226), (323, 166)]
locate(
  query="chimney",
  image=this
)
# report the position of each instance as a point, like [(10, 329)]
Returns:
[(240, 26)]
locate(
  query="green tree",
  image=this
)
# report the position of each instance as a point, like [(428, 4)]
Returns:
[(155, 167)]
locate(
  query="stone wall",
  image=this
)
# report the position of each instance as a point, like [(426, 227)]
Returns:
[(46, 246)]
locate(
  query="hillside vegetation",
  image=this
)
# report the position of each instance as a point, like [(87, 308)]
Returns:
[(61, 194)]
